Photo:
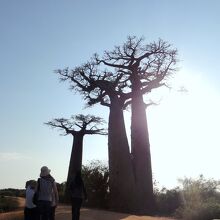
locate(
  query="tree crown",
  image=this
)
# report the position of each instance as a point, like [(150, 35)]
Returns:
[(79, 124), (100, 80)]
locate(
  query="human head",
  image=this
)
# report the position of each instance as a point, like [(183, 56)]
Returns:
[(31, 184), (44, 171)]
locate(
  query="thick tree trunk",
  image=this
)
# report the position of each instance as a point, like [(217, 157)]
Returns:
[(76, 157), (120, 167), (140, 149)]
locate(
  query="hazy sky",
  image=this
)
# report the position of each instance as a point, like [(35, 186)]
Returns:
[(38, 37)]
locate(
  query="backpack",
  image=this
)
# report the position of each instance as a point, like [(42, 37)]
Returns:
[(36, 194)]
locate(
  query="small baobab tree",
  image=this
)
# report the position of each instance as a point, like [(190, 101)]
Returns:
[(78, 126)]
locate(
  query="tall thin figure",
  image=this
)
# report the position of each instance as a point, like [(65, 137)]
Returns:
[(78, 193)]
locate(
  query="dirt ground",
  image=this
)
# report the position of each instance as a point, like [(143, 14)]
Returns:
[(64, 213)]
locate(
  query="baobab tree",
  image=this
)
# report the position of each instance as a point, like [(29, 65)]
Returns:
[(100, 86), (119, 78), (147, 67), (78, 126)]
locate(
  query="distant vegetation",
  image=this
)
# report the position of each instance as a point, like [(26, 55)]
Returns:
[(195, 199), (12, 192), (200, 199), (96, 178)]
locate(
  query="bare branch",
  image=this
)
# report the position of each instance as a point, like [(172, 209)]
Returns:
[(88, 124), (115, 73)]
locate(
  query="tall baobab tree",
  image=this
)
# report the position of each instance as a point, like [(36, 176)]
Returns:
[(100, 86), (119, 78), (146, 67), (78, 126)]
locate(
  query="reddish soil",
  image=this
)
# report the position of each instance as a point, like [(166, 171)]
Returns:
[(64, 213)]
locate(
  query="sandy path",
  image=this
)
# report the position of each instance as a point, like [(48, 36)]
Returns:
[(21, 202), (64, 213)]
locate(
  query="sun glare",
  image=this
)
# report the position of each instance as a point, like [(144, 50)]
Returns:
[(183, 130)]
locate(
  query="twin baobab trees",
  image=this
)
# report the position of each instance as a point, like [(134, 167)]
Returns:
[(145, 67), (120, 78), (78, 126)]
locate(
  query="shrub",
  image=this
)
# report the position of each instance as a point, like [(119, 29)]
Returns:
[(96, 179), (167, 201), (61, 191), (201, 200)]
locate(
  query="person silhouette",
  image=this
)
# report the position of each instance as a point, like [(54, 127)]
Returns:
[(78, 193)]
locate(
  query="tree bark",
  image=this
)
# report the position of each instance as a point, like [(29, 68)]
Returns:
[(140, 149), (121, 179), (76, 156)]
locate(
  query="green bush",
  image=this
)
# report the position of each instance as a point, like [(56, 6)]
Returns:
[(96, 179), (61, 191), (167, 201)]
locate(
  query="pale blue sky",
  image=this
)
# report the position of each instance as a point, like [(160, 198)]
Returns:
[(38, 37)]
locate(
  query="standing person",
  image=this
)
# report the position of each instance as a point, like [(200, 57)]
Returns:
[(78, 193), (46, 186), (30, 210)]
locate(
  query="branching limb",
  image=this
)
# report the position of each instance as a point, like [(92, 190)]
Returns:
[(88, 124)]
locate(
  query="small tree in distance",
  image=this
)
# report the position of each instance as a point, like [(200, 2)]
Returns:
[(77, 126)]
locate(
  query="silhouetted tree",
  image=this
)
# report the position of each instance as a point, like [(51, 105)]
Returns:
[(121, 77), (78, 126), (144, 67), (106, 88)]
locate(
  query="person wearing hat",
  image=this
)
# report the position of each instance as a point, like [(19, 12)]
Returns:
[(46, 187)]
